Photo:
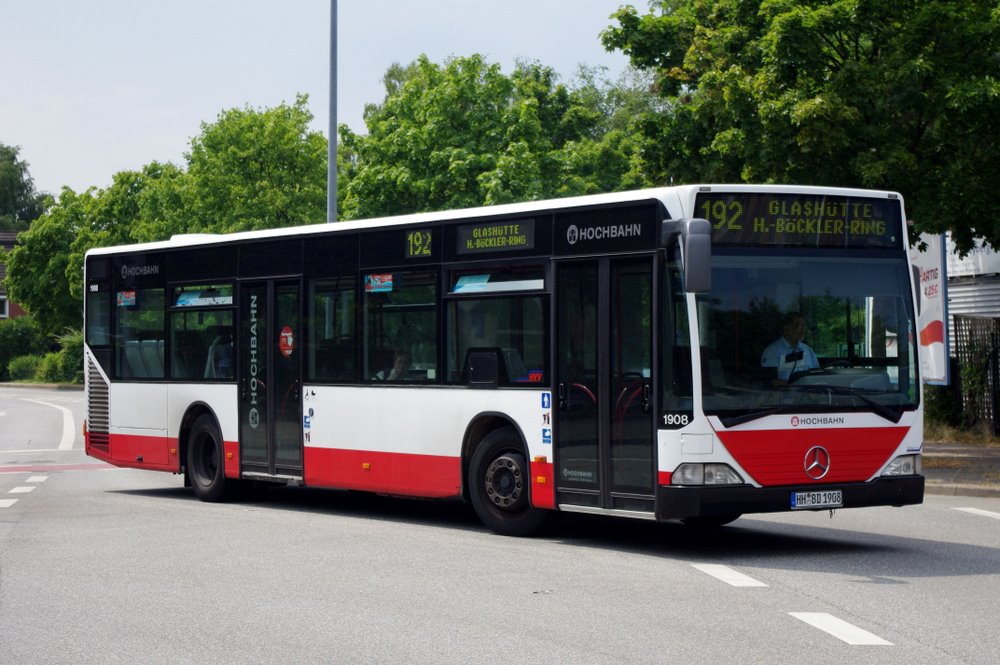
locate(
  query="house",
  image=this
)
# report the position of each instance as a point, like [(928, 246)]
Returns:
[(8, 309)]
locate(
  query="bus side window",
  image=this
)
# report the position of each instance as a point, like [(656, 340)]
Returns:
[(333, 332), (514, 326), (139, 321), (201, 346), (400, 321)]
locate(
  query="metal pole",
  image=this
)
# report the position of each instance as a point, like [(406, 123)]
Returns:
[(331, 169)]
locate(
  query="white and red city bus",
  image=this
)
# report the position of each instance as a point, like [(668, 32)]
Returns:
[(608, 354)]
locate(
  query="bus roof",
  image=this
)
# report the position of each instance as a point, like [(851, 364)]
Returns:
[(677, 198)]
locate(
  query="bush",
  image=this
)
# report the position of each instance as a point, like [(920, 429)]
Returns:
[(71, 356), (944, 405), (20, 337), (24, 368), (50, 369)]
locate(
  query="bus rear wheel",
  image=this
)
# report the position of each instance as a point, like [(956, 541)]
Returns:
[(205, 467), (499, 481)]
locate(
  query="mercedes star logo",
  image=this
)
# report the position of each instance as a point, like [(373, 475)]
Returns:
[(817, 462)]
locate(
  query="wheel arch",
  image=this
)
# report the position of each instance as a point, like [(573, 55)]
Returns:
[(478, 429)]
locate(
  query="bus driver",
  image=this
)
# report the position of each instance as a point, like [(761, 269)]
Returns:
[(788, 354)]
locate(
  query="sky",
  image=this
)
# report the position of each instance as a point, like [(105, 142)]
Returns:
[(92, 87)]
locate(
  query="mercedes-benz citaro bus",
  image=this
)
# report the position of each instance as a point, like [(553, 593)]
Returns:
[(692, 353)]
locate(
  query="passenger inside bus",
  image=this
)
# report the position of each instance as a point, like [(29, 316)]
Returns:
[(400, 369)]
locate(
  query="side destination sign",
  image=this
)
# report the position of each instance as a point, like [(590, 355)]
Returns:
[(507, 236), (804, 220)]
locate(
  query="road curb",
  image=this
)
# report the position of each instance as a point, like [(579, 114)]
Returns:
[(949, 489), (42, 386)]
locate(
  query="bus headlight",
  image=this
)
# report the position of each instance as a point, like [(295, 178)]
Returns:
[(705, 474), (904, 465)]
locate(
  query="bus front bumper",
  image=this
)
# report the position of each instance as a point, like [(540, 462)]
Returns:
[(679, 502)]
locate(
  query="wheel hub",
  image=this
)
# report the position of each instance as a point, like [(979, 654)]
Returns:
[(505, 482)]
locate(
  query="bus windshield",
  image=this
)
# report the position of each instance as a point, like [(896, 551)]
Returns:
[(807, 331)]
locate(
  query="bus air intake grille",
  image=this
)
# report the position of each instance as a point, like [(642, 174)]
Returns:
[(97, 407)]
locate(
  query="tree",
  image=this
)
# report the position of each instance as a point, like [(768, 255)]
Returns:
[(464, 134), (36, 268), (254, 169), (250, 169), (872, 93), (19, 203)]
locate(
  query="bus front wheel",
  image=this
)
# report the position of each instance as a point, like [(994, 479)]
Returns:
[(500, 482), (204, 461)]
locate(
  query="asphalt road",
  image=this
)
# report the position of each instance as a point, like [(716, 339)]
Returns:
[(101, 565)]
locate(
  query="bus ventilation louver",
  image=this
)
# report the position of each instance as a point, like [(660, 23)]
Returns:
[(97, 407)]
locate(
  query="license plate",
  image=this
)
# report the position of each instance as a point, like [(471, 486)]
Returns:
[(825, 499)]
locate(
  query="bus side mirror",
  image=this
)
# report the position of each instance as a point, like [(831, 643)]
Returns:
[(696, 250)]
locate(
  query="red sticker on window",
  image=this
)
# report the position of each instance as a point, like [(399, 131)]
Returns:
[(286, 341)]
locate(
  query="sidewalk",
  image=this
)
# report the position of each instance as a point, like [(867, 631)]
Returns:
[(957, 469)]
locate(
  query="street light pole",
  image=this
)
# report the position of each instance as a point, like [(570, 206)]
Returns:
[(331, 169)]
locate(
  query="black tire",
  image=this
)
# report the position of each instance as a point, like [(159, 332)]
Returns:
[(500, 486), (205, 467), (712, 522)]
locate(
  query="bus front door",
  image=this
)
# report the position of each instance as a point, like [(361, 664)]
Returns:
[(270, 379), (604, 430)]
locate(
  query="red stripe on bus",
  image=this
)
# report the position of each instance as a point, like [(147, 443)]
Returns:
[(778, 457), (432, 476), (155, 453), (231, 465), (543, 488), (158, 453)]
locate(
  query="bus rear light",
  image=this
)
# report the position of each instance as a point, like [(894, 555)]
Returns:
[(705, 474), (904, 465)]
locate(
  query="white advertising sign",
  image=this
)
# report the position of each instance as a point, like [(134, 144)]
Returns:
[(981, 260), (932, 322)]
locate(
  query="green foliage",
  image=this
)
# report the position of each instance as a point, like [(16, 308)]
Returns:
[(250, 169), (19, 203), (71, 356), (974, 379), (458, 135), (20, 336), (464, 134), (37, 267), (256, 169), (943, 405), (50, 369), (24, 368), (873, 93), (42, 365)]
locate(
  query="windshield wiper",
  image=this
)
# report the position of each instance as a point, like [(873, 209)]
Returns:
[(733, 421), (890, 414)]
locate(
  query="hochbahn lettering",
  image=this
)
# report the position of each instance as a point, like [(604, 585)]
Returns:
[(253, 416)]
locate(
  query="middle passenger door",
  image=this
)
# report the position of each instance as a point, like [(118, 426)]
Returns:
[(604, 431)]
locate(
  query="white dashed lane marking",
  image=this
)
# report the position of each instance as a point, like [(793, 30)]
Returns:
[(22, 490), (728, 575), (981, 513), (37, 479), (7, 503), (846, 632)]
